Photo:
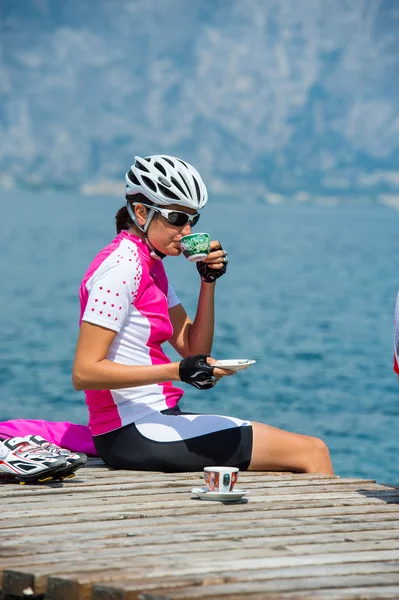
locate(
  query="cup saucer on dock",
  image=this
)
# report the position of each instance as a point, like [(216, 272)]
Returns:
[(204, 494)]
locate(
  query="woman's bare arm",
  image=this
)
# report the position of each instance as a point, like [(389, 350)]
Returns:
[(92, 370)]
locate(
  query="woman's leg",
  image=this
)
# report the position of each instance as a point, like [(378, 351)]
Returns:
[(277, 450)]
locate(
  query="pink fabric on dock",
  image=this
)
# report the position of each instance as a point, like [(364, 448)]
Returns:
[(76, 438)]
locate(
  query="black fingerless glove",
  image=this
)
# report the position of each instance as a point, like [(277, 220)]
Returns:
[(210, 275), (196, 371)]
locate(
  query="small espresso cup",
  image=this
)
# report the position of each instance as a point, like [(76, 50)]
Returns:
[(195, 246), (220, 479)]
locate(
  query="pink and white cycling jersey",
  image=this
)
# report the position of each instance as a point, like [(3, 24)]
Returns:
[(127, 291)]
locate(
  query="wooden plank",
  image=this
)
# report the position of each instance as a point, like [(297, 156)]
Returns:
[(153, 478), (214, 510), (288, 585), (223, 538), (249, 477), (139, 510), (205, 563), (143, 489), (116, 482), (151, 526), (251, 536), (33, 494), (192, 564), (113, 479), (206, 510), (240, 589), (120, 584), (359, 593), (248, 548), (234, 590), (340, 508), (188, 501), (185, 498), (62, 588), (327, 511), (15, 583), (111, 493)]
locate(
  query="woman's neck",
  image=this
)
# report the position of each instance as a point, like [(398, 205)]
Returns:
[(133, 230)]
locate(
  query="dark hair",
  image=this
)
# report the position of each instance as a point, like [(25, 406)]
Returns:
[(122, 217)]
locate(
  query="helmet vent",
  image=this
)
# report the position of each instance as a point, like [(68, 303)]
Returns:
[(185, 183), (183, 163), (132, 177), (160, 168), (138, 165), (177, 184), (168, 161), (167, 192), (197, 188), (149, 183)]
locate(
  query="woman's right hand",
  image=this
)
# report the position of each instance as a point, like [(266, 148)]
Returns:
[(199, 371)]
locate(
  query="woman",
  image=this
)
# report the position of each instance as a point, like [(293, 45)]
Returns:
[(128, 310)]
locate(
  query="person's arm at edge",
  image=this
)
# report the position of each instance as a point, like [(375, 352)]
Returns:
[(194, 337), (92, 370)]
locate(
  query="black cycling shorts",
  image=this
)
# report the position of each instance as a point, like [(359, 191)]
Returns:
[(174, 441)]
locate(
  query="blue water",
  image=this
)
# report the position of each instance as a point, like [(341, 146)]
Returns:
[(310, 290)]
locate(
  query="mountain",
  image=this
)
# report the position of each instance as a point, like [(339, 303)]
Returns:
[(267, 98)]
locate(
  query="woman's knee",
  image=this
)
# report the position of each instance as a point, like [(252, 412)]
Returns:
[(317, 456), (319, 446)]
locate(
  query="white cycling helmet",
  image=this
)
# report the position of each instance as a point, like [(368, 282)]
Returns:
[(166, 180)]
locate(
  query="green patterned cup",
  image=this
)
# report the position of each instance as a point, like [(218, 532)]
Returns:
[(195, 246)]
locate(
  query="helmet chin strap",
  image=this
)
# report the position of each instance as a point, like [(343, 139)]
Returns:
[(154, 253)]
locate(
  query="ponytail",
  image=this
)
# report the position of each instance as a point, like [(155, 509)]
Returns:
[(122, 220), (122, 217)]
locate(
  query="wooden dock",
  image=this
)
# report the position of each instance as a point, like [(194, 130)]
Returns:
[(120, 535)]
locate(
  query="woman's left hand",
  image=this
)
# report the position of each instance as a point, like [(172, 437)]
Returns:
[(214, 265)]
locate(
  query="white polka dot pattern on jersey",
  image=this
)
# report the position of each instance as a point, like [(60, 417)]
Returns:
[(113, 288)]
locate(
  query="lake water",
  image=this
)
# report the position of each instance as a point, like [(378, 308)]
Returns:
[(310, 291)]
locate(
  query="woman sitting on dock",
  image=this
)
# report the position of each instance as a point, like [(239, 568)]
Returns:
[(128, 310)]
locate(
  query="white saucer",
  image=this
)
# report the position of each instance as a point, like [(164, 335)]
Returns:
[(235, 364), (205, 494)]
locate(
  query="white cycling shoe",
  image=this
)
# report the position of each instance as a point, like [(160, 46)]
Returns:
[(27, 463), (74, 460)]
